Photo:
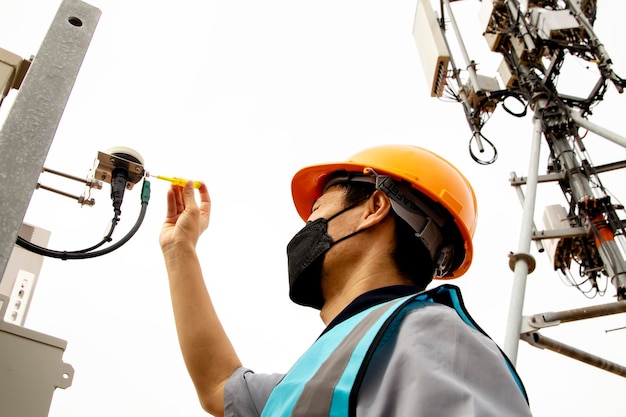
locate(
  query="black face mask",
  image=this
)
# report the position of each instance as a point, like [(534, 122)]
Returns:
[(305, 256)]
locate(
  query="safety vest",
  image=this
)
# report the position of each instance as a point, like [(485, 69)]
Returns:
[(325, 380)]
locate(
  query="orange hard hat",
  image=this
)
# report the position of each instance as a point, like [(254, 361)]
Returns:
[(424, 170)]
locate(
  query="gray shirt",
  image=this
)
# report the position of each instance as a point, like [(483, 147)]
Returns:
[(437, 366)]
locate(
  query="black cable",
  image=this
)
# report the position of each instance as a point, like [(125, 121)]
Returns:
[(107, 238), (88, 253), (476, 158), (518, 98)]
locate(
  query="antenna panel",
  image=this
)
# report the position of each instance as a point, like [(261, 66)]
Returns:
[(431, 47)]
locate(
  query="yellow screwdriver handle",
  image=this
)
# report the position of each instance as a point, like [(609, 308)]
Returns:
[(179, 181)]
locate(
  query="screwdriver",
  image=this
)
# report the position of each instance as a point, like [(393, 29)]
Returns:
[(177, 181)]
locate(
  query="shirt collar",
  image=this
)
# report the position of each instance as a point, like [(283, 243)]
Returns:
[(370, 299)]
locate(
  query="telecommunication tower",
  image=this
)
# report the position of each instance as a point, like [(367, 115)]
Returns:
[(535, 38)]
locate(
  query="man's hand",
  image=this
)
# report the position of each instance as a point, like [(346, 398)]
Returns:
[(185, 220)]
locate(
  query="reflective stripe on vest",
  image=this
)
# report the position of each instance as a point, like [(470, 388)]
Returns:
[(326, 379)]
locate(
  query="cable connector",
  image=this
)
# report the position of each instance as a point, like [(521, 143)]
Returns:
[(145, 192), (118, 186)]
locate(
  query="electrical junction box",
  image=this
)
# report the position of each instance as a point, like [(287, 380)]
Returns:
[(555, 24), (555, 218), (519, 48), (507, 75), (476, 94), (31, 368), (431, 46), (31, 365), (486, 84)]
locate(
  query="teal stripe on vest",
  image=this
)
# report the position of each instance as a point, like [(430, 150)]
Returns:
[(310, 386), (341, 399)]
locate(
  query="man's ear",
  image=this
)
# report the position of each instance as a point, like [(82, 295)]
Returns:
[(376, 209)]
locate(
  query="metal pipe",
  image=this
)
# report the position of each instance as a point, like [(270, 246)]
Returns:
[(514, 322), (462, 93), (578, 180), (54, 190), (522, 198), (609, 167), (514, 9), (541, 341), (470, 64), (591, 312), (91, 183), (80, 199), (605, 133), (577, 12)]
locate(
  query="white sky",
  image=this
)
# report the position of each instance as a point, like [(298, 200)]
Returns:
[(241, 94)]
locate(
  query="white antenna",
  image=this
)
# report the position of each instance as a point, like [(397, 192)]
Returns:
[(534, 40), (433, 49)]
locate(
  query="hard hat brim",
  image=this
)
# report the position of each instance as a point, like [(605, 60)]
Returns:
[(308, 184)]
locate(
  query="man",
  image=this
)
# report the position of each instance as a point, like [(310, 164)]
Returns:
[(380, 227)]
